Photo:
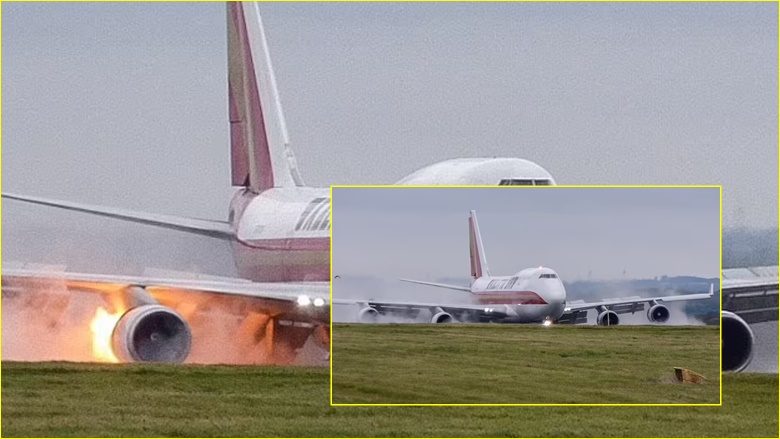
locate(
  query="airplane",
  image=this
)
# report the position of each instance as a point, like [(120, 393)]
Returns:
[(277, 226), (531, 295), (750, 295)]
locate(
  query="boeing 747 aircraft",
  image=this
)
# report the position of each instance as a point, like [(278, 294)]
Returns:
[(277, 226), (530, 295)]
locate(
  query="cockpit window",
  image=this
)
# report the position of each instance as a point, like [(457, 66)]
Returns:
[(513, 182), (523, 182), (316, 215), (548, 276)]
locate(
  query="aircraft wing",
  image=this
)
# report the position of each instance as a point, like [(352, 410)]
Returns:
[(751, 293), (214, 229), (433, 284), (308, 299), (461, 312), (632, 304)]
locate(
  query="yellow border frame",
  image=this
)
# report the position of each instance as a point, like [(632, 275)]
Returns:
[(720, 296), (565, 1)]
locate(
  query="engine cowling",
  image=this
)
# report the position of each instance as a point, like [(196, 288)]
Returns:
[(151, 333), (368, 315), (738, 342), (658, 313), (607, 318), (442, 317)]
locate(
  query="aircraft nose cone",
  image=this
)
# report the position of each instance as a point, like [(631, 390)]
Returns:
[(560, 296)]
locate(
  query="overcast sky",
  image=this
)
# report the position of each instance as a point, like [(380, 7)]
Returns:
[(580, 233), (124, 104)]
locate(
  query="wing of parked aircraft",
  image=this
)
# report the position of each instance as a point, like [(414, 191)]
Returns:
[(749, 296), (751, 293)]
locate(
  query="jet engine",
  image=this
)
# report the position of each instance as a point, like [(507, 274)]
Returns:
[(737, 342), (607, 318), (658, 313), (368, 315), (442, 317), (151, 333)]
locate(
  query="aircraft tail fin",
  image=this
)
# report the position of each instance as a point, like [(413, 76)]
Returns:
[(479, 265), (261, 157)]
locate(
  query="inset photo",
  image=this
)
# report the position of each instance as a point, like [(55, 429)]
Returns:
[(526, 295)]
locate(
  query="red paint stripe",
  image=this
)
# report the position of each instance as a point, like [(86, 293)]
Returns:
[(281, 265), (307, 244), (511, 298)]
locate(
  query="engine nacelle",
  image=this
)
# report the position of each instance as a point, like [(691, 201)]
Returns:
[(368, 315), (658, 313), (607, 318), (442, 317), (737, 342), (151, 333)]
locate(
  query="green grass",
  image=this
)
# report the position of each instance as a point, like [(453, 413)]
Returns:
[(522, 364), (56, 399)]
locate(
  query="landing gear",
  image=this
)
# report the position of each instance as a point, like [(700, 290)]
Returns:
[(276, 340)]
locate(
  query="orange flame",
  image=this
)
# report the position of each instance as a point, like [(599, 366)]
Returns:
[(102, 327)]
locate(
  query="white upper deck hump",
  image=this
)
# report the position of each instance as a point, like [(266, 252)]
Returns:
[(481, 171), (259, 146), (479, 267)]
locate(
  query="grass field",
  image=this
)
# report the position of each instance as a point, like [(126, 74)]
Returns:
[(522, 364), (55, 399)]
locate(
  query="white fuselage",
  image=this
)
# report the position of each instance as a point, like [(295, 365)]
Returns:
[(531, 295), (282, 234)]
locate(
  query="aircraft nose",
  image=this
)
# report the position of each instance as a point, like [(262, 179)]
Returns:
[(560, 292)]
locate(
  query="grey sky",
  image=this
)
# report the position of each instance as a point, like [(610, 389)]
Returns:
[(125, 104), (423, 233)]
